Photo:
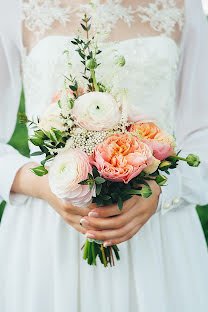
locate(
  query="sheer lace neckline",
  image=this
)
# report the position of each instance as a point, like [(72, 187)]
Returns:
[(143, 18)]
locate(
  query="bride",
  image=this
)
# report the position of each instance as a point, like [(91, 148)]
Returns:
[(164, 261)]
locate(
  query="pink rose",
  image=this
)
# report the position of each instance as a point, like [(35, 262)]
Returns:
[(67, 170), (161, 143), (121, 157)]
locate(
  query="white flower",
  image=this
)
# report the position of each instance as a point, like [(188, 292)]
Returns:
[(96, 111), (67, 170), (52, 119), (153, 166)]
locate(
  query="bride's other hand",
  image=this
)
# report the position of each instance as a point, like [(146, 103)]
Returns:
[(115, 227), (29, 184)]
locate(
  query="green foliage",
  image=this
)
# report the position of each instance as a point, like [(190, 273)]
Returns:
[(19, 139), (40, 171), (2, 206), (203, 216)]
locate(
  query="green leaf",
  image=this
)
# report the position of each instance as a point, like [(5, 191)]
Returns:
[(36, 141), (74, 42), (58, 134), (98, 189), (91, 184), (59, 103), (161, 180), (40, 134), (115, 196), (73, 88), (85, 182), (84, 27), (82, 55), (43, 162), (71, 103), (37, 154), (95, 172), (99, 180), (52, 136), (87, 45), (98, 201), (120, 203), (105, 197), (39, 171), (44, 149), (90, 176)]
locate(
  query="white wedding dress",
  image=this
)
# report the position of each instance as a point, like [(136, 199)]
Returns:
[(164, 267)]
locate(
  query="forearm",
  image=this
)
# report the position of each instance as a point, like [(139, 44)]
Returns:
[(27, 183)]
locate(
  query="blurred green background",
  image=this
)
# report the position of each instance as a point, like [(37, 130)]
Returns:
[(19, 141)]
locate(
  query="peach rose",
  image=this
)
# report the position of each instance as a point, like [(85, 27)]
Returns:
[(121, 157), (67, 170), (161, 143)]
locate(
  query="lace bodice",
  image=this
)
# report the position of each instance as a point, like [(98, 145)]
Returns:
[(147, 33), (137, 18)]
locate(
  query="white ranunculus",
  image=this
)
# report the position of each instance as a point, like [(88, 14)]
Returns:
[(151, 168), (96, 111), (51, 118), (67, 170)]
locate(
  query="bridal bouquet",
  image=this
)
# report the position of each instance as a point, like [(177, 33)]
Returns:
[(97, 154)]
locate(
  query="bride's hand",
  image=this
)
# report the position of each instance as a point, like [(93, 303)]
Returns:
[(115, 227), (29, 184), (71, 214)]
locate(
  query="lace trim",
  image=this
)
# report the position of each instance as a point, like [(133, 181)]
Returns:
[(106, 15), (163, 15), (39, 15)]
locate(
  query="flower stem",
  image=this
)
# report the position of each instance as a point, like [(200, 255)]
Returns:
[(85, 255), (94, 80), (177, 157), (103, 254)]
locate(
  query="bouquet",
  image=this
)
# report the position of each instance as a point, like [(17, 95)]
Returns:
[(97, 154)]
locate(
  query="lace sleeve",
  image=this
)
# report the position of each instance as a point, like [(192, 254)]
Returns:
[(10, 87)]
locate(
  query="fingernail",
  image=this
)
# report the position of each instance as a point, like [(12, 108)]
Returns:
[(89, 235), (84, 222), (107, 244), (93, 214)]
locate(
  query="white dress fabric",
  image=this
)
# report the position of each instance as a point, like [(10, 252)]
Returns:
[(164, 267)]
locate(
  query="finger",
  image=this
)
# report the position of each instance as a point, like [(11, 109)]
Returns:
[(115, 222), (79, 228), (124, 238), (112, 234), (83, 211), (77, 220), (110, 211), (92, 206)]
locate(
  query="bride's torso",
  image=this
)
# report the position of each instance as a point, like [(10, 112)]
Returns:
[(147, 35)]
